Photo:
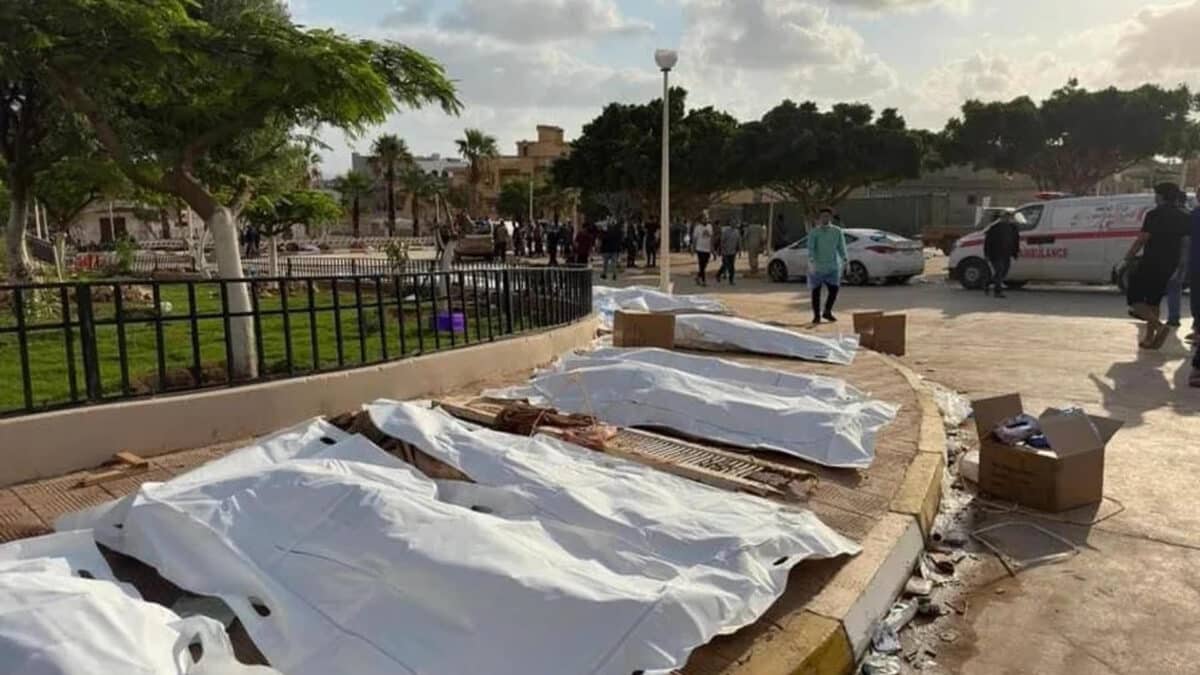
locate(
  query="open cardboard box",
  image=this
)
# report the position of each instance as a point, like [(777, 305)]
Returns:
[(884, 333), (1068, 475), (643, 329)]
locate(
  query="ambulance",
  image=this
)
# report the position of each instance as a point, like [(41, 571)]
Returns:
[(1073, 239)]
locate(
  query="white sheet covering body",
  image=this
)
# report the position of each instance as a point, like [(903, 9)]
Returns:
[(54, 620), (607, 300), (817, 423), (830, 389), (366, 566), (730, 333)]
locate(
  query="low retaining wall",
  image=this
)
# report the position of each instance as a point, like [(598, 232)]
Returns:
[(55, 443)]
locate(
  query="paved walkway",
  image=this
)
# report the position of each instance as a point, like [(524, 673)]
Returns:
[(1130, 603)]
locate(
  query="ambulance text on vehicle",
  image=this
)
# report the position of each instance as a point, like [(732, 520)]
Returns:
[(1079, 239)]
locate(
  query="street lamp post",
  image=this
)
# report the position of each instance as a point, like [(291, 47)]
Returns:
[(666, 60)]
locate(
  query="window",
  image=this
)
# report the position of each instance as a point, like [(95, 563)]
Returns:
[(803, 243), (850, 239), (1029, 217)]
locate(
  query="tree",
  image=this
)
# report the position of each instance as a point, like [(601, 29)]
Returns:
[(67, 187), (1076, 137), (476, 147), (354, 186), (617, 159), (513, 202), (275, 215), (171, 88), (390, 153), (419, 187), (818, 158)]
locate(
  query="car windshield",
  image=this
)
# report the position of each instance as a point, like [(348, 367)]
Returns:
[(1029, 217)]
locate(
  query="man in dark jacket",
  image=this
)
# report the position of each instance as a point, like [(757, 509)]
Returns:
[(1001, 246), (1160, 245)]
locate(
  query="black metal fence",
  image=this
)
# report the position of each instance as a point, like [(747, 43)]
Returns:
[(305, 266), (64, 345)]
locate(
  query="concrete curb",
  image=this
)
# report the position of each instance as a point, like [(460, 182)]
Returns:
[(830, 635)]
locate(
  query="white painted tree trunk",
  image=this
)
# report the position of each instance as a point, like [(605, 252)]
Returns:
[(229, 266), (20, 267), (273, 255)]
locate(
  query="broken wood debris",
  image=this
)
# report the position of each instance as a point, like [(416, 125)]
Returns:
[(711, 466), (123, 465)]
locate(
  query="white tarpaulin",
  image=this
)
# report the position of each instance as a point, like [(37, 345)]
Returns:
[(818, 427), (730, 333), (63, 613), (606, 301), (357, 563)]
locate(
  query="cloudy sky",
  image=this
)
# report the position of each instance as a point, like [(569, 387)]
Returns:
[(519, 63)]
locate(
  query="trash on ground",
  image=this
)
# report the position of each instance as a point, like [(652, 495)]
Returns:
[(824, 430), (955, 408), (1044, 548), (332, 551), (63, 611), (968, 466), (886, 638), (881, 664), (918, 586), (707, 332)]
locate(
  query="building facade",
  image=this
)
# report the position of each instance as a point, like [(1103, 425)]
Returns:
[(533, 161)]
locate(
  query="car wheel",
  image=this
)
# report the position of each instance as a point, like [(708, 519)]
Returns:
[(974, 274), (856, 274), (777, 271)]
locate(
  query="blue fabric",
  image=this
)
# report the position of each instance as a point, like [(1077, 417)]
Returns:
[(819, 279)]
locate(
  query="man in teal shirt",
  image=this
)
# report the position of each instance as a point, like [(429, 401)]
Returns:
[(826, 262)]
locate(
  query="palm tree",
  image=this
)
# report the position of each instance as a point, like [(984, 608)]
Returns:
[(390, 152), (476, 147), (354, 186), (418, 186)]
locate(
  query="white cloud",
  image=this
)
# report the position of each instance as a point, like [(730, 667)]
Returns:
[(409, 12), (879, 6), (526, 21), (1159, 44), (767, 34)]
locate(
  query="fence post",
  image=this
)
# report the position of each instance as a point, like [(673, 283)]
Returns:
[(87, 342), (506, 289), (289, 267), (354, 267)]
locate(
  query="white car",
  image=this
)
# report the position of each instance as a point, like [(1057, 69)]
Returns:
[(873, 255)]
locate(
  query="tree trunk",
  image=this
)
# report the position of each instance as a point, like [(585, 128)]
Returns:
[(416, 214), (354, 216), (273, 255), (229, 266), (391, 201), (20, 267)]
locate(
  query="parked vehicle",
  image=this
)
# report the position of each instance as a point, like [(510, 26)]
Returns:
[(1076, 239), (477, 244), (873, 255)]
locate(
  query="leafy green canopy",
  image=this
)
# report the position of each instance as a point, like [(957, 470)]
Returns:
[(1075, 138)]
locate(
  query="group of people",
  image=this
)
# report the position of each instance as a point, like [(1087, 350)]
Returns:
[(710, 241), (1167, 252)]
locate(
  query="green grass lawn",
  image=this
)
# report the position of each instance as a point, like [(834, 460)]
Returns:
[(363, 337)]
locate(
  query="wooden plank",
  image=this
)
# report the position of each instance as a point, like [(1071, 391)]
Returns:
[(93, 479), (131, 459)]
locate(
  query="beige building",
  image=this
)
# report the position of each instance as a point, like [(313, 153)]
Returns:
[(532, 161)]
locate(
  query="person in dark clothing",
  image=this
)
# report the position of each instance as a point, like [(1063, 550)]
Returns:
[(611, 241), (1194, 260), (652, 244), (581, 248), (1001, 246), (553, 231), (633, 242), (1160, 245)]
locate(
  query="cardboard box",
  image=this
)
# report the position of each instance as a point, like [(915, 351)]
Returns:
[(643, 329), (884, 333), (1068, 475)]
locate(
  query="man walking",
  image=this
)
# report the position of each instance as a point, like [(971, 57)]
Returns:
[(702, 245), (752, 242), (826, 262), (731, 241), (553, 232), (1194, 259), (1161, 244), (1001, 246), (610, 248), (652, 234)]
